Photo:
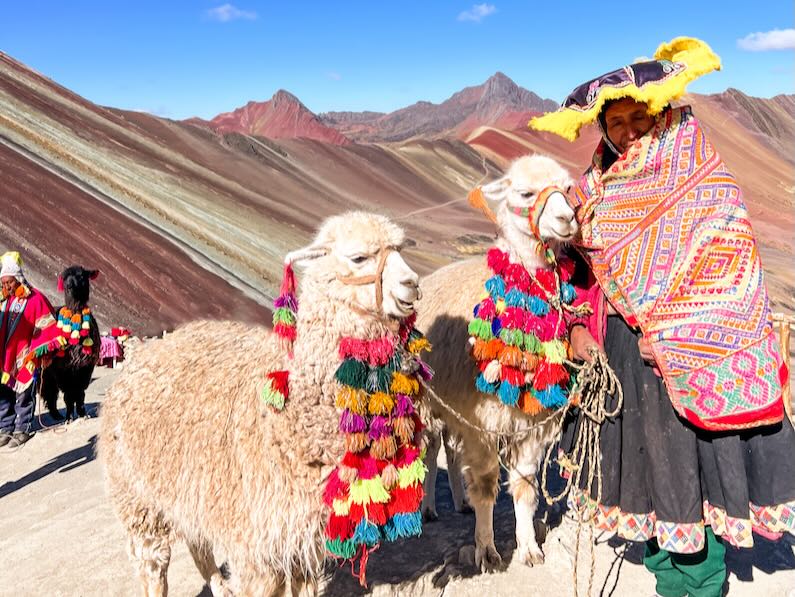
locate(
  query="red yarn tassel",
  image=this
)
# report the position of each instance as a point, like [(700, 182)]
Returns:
[(280, 382), (339, 527), (288, 280)]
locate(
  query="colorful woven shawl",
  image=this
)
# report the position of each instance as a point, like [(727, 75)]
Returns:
[(671, 245)]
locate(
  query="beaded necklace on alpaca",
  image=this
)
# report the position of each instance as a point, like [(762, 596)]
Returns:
[(375, 492), (519, 338)]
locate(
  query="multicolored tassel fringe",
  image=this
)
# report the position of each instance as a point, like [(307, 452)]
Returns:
[(375, 492), (285, 310), (518, 339), (276, 390)]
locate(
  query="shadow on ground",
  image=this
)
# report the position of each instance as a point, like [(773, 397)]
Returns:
[(434, 553), (62, 463)]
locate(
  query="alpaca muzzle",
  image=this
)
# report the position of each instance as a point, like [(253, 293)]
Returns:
[(533, 213)]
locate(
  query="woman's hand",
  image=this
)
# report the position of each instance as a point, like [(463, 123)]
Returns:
[(645, 351), (583, 345)]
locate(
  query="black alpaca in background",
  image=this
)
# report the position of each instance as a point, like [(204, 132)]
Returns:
[(71, 372)]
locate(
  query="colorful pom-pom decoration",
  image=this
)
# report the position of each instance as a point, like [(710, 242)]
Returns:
[(519, 339), (375, 493), (285, 310), (276, 389)]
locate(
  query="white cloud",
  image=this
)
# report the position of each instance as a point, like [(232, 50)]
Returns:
[(334, 76), (778, 39), (477, 13), (228, 12)]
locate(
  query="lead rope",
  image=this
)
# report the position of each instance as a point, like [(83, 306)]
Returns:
[(596, 382)]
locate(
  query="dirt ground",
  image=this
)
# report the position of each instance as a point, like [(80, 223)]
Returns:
[(59, 537)]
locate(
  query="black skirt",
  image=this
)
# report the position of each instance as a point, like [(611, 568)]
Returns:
[(664, 478)]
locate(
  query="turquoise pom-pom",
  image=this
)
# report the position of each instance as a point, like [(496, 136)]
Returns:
[(496, 287), (516, 298), (367, 533), (567, 293), (403, 525), (538, 306), (484, 386), (551, 397), (508, 393)]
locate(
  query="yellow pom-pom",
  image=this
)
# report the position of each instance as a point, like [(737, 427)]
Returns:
[(418, 345), (341, 507), (364, 491), (381, 404), (354, 400), (554, 351), (402, 384)]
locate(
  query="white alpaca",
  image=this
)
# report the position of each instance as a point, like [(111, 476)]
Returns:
[(191, 452), (449, 295)]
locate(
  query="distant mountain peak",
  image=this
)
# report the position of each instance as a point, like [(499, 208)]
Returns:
[(500, 76), (281, 117), (284, 96)]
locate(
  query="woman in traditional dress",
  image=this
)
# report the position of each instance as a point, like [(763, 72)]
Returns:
[(24, 314), (701, 453)]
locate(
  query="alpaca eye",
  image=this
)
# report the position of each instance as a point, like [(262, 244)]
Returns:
[(359, 259), (568, 189), (528, 194)]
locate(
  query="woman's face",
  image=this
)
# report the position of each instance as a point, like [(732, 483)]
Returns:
[(626, 121), (10, 284)]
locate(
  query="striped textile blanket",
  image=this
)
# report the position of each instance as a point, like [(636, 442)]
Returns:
[(671, 245)]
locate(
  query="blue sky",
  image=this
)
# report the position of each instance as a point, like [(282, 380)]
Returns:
[(181, 59)]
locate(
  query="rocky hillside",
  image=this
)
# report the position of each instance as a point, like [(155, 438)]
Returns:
[(187, 221)]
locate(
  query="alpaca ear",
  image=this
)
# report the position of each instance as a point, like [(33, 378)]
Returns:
[(93, 274), (497, 190), (313, 251)]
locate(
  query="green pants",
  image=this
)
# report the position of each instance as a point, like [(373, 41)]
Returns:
[(695, 574)]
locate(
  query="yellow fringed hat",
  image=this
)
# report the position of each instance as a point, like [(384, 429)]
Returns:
[(655, 82)]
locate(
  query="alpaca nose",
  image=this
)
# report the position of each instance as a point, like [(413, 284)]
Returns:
[(412, 282), (567, 219)]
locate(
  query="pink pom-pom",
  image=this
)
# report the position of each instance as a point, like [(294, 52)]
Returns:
[(497, 260)]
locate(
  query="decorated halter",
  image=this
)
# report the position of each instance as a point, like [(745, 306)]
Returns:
[(533, 215), (377, 278), (286, 304)]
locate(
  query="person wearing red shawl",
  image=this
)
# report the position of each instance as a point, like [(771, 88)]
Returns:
[(25, 313), (701, 454)]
